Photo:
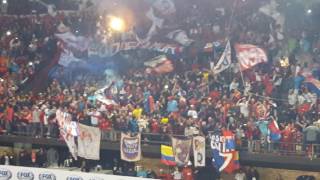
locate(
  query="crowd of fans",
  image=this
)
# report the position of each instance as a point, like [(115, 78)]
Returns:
[(189, 101)]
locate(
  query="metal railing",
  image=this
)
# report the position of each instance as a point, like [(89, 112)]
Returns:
[(251, 146)]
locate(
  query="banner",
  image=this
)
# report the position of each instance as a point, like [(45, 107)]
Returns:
[(29, 173), (181, 150), (68, 130), (199, 151), (171, 49), (130, 147), (225, 60), (224, 156), (250, 55), (89, 142)]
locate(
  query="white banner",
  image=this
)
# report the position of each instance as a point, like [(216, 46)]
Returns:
[(89, 142), (181, 150), (199, 151), (28, 173), (130, 147), (68, 130)]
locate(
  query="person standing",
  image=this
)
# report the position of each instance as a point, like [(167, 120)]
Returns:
[(187, 172), (35, 121), (9, 114), (177, 174)]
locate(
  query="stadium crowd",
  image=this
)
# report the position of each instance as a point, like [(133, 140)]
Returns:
[(191, 100)]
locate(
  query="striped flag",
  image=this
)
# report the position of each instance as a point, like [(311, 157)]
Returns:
[(159, 65), (167, 157), (250, 55), (275, 133), (224, 61)]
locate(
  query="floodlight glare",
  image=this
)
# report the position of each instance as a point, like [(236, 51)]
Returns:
[(117, 24)]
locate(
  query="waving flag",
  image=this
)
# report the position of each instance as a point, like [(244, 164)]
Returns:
[(224, 156), (225, 60), (159, 65), (68, 58), (74, 42), (167, 157), (250, 55), (275, 133), (313, 85)]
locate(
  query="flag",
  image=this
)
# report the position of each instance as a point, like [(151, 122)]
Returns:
[(164, 7), (250, 55), (167, 157), (89, 142), (181, 150), (159, 65), (67, 58), (180, 37), (224, 156), (275, 133), (199, 151), (130, 147), (74, 42), (224, 61), (313, 85)]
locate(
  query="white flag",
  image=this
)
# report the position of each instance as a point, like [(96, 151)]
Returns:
[(224, 61), (73, 42), (67, 58), (68, 130), (89, 142), (199, 151)]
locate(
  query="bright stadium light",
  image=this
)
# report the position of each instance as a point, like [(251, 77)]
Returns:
[(8, 33), (309, 11), (4, 2), (117, 24)]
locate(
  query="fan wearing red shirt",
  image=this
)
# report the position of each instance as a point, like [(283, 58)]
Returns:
[(9, 113), (187, 172)]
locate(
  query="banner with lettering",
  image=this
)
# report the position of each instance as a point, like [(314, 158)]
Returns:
[(29, 173), (130, 147), (89, 142), (224, 156), (199, 151), (181, 150)]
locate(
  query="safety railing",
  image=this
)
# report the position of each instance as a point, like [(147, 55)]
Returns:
[(251, 146)]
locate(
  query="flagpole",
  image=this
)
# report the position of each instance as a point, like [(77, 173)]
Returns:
[(235, 3), (241, 74)]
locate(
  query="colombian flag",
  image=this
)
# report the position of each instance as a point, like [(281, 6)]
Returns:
[(167, 157)]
